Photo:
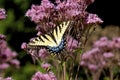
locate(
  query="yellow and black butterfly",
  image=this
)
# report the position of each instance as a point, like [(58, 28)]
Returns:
[(54, 41)]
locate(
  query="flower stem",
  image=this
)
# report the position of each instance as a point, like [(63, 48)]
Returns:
[(77, 72), (111, 73), (64, 70)]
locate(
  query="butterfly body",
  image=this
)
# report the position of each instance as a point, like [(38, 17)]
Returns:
[(54, 41)]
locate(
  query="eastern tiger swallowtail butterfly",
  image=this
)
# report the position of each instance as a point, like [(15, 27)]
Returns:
[(54, 41)]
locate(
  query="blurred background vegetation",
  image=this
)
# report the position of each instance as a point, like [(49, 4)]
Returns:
[(19, 29)]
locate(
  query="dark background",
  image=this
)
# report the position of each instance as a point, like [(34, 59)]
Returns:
[(108, 11)]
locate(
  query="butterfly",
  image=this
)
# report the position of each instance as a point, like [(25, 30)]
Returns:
[(54, 41)]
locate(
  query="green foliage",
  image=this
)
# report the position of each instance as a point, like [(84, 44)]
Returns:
[(79, 51), (23, 73), (7, 22), (23, 4), (15, 11), (106, 78), (15, 24)]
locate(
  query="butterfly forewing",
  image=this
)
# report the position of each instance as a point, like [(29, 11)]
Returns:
[(52, 40), (61, 30)]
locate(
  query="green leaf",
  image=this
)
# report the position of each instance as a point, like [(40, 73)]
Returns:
[(79, 51)]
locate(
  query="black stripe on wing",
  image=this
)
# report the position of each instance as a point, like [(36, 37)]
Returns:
[(60, 27), (56, 30), (46, 37), (36, 39), (41, 38), (53, 37)]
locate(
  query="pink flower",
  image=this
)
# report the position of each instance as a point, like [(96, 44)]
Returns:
[(46, 66), (15, 62), (71, 44), (2, 37), (102, 43), (6, 54), (108, 55), (47, 4), (116, 42), (93, 59), (107, 45), (90, 53), (4, 66), (103, 39), (83, 63), (93, 67), (52, 76), (38, 13), (14, 54), (43, 53), (100, 54), (2, 14), (40, 76), (43, 29), (24, 45), (69, 9), (8, 78), (40, 29), (93, 19)]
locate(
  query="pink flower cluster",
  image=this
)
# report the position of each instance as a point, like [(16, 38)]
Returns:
[(7, 56), (102, 55), (47, 14), (8, 78), (41, 12), (42, 53), (71, 44), (92, 19), (46, 66), (106, 44), (2, 14), (64, 10), (40, 76)]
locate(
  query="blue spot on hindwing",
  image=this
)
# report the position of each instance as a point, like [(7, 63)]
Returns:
[(58, 48)]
